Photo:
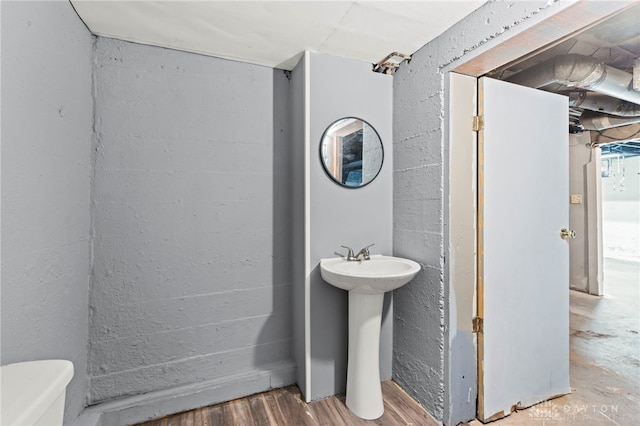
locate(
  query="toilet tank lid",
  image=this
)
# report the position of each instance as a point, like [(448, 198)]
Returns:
[(27, 389)]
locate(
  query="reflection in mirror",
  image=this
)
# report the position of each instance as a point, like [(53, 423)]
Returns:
[(351, 152)]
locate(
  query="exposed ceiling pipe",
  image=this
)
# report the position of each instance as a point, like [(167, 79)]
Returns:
[(603, 103), (595, 121), (617, 135), (579, 71)]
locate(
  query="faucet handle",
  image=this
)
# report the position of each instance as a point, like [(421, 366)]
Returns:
[(365, 252), (366, 248), (350, 255)]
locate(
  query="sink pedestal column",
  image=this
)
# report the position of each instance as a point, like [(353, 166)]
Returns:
[(364, 391)]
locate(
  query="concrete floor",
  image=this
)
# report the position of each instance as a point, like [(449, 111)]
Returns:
[(605, 358)]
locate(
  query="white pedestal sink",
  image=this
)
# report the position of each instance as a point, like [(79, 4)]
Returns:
[(366, 281)]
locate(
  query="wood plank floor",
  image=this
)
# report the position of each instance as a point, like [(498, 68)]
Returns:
[(283, 407)]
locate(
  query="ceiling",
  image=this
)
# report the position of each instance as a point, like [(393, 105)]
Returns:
[(614, 41), (276, 33)]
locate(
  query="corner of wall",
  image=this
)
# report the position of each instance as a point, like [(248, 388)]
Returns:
[(420, 147), (46, 131)]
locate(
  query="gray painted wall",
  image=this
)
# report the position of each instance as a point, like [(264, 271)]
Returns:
[(422, 361), (191, 212), (175, 257), (355, 217), (297, 98), (46, 142)]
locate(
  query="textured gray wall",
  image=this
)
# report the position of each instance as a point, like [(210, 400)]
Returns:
[(372, 154), (422, 359), (190, 213), (46, 142), (355, 217)]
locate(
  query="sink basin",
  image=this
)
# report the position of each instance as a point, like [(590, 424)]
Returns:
[(366, 281), (377, 275)]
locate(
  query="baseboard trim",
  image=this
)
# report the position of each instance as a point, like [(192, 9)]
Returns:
[(140, 408)]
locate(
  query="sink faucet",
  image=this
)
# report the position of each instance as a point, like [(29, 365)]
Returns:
[(350, 256), (363, 254)]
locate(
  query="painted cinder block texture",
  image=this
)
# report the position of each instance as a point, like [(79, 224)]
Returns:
[(190, 217), (422, 360), (46, 143)]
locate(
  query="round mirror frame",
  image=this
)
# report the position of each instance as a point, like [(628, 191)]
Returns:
[(324, 165)]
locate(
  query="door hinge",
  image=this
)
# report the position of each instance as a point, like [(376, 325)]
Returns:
[(478, 325), (478, 123)]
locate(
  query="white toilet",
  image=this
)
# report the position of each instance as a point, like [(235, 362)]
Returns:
[(32, 393)]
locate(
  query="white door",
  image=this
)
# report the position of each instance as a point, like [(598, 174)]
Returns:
[(523, 263)]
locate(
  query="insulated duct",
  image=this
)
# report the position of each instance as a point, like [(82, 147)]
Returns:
[(595, 121), (579, 71), (603, 103)]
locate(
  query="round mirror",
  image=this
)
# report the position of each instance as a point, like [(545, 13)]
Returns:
[(351, 152)]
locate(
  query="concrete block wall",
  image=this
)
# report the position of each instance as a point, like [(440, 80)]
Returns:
[(422, 355), (190, 221), (175, 256), (418, 212), (46, 141)]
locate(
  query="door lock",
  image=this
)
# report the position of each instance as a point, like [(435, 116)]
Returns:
[(565, 233)]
